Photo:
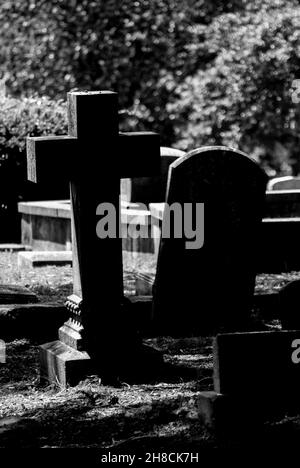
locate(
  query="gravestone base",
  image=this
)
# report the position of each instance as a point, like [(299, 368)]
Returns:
[(13, 294), (210, 406), (259, 373), (225, 419), (233, 419), (62, 365)]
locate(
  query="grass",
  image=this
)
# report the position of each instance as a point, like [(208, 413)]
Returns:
[(93, 415), (49, 283), (160, 414), (55, 283)]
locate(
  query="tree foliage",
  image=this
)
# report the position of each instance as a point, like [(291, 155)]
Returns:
[(142, 49), (197, 71), (20, 118), (244, 97)]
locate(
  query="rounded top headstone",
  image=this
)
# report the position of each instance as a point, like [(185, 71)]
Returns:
[(213, 284)]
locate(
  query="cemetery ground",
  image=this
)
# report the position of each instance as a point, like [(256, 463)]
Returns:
[(157, 415)]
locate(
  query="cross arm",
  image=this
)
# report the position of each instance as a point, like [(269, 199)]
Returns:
[(140, 154), (50, 158)]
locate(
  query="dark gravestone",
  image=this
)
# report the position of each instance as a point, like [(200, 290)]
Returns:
[(151, 189), (261, 369), (211, 287), (289, 313)]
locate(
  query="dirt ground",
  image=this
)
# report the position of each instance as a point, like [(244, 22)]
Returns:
[(157, 415)]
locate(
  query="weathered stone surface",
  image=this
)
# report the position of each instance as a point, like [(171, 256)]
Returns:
[(16, 295), (46, 225), (44, 258), (62, 364), (261, 366), (47, 208), (143, 284), (45, 233), (211, 287)]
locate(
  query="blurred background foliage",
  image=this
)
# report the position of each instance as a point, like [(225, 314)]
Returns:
[(198, 72), (20, 117)]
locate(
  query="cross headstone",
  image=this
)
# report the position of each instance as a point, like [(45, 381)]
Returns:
[(93, 157), (206, 288)]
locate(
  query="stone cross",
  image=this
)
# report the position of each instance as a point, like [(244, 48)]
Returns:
[(93, 157)]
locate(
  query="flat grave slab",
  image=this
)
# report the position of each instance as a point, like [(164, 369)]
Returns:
[(44, 258), (47, 208), (16, 295), (46, 225), (13, 247)]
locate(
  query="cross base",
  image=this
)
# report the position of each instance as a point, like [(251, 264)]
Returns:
[(62, 365)]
